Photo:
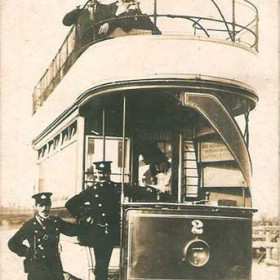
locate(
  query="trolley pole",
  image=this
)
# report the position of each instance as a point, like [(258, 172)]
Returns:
[(155, 16), (233, 20)]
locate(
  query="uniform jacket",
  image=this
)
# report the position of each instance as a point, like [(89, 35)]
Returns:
[(101, 202), (43, 238)]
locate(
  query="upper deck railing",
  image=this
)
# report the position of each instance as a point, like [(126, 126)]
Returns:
[(234, 21)]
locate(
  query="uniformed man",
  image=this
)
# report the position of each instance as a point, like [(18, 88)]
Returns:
[(98, 207), (42, 259)]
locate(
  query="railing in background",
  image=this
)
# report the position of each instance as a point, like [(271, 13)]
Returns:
[(234, 21), (266, 244)]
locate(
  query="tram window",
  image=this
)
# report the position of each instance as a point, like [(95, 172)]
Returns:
[(56, 141), (192, 181), (73, 129), (154, 166), (218, 166), (190, 164), (113, 152), (222, 176), (40, 153), (64, 137), (50, 146), (192, 191), (44, 149)]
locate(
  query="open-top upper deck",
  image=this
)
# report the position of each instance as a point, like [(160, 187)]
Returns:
[(233, 23)]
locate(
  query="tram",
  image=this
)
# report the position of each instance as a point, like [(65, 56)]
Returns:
[(168, 103)]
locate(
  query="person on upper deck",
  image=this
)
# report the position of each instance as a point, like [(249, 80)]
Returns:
[(107, 15), (110, 15)]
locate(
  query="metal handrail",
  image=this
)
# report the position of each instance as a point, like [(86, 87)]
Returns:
[(73, 45)]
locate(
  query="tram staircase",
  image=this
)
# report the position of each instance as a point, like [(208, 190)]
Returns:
[(190, 170)]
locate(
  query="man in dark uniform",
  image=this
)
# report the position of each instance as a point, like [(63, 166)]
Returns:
[(42, 259), (98, 207)]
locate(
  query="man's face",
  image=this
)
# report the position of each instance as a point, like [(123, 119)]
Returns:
[(102, 176), (89, 180), (43, 210)]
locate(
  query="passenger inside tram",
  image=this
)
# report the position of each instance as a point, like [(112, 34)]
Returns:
[(155, 169)]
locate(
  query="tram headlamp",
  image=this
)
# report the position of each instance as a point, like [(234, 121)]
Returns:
[(196, 253)]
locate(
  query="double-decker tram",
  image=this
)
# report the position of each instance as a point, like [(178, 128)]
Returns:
[(168, 103)]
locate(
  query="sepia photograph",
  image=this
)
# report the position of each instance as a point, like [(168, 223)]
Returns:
[(139, 140)]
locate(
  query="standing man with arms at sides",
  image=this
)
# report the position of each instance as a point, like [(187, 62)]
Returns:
[(98, 207), (42, 259)]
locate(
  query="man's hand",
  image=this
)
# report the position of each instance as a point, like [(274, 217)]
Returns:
[(103, 29)]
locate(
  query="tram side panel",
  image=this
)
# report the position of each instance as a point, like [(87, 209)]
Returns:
[(57, 164), (174, 244)]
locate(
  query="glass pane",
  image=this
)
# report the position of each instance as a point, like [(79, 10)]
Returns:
[(190, 155), (190, 164), (113, 152), (190, 172), (191, 191), (192, 181), (228, 177)]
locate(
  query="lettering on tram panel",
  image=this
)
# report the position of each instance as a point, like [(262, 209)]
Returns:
[(211, 151)]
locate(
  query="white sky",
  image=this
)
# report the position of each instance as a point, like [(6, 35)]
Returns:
[(31, 33)]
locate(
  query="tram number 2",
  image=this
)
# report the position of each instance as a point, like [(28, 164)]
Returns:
[(197, 227)]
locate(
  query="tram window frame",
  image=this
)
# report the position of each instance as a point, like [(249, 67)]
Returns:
[(221, 160), (115, 176)]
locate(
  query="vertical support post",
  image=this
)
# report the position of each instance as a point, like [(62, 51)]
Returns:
[(80, 154), (123, 147), (247, 128), (233, 20), (180, 174), (257, 31), (267, 246), (103, 132), (122, 184), (155, 15), (244, 196), (37, 181)]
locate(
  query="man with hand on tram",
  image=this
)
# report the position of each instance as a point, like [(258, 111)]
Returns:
[(42, 256), (98, 207)]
